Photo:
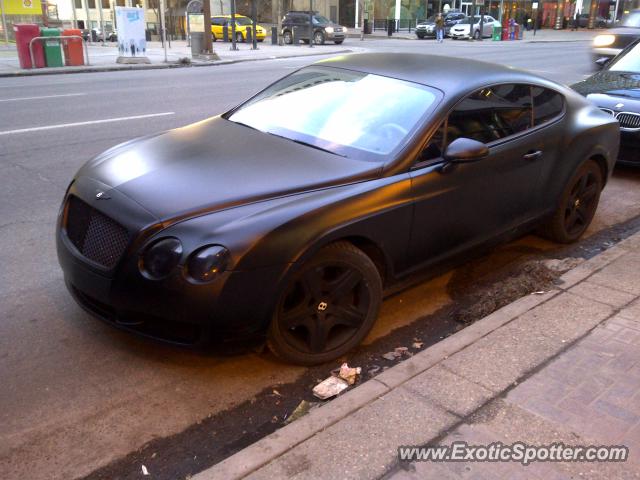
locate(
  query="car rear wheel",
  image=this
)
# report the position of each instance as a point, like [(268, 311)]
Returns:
[(287, 37), (239, 37), (577, 206), (213, 37), (318, 38), (327, 307)]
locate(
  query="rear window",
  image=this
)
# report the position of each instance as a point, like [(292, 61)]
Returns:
[(547, 104)]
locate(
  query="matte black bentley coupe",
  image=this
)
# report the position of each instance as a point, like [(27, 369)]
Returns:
[(287, 215)]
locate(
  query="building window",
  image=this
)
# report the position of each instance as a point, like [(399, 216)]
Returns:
[(78, 3)]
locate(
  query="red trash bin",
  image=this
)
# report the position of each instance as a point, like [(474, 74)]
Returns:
[(24, 33), (73, 49)]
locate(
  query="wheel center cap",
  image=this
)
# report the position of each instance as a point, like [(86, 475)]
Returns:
[(322, 306), (576, 204)]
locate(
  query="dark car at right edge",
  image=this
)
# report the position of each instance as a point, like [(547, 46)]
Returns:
[(616, 90)]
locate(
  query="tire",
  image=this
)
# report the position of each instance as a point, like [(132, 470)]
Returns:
[(287, 37), (327, 307), (421, 37), (476, 35), (213, 37), (338, 42), (318, 38), (577, 206), (239, 37)]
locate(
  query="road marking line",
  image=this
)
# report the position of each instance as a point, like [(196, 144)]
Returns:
[(78, 124), (45, 96)]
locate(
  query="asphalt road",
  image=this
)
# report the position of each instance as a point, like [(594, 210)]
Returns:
[(74, 393)]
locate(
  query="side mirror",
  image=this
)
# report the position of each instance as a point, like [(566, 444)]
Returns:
[(463, 150), (603, 62)]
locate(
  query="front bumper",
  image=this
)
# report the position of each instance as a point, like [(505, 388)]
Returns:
[(629, 148), (237, 304)]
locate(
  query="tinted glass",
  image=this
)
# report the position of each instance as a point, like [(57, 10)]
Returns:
[(332, 109), (243, 21), (491, 114), (320, 20), (547, 104), (629, 62)]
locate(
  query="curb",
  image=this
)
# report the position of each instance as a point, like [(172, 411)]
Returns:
[(160, 66), (264, 451)]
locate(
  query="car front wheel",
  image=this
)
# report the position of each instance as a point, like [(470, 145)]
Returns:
[(287, 37), (476, 35), (578, 205), (327, 307), (318, 38)]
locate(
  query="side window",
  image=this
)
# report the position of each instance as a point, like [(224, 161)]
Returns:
[(547, 104), (491, 114)]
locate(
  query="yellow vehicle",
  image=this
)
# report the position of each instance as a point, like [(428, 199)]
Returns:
[(243, 24)]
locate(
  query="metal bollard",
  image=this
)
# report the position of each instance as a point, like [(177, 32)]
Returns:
[(274, 35), (225, 33), (249, 36)]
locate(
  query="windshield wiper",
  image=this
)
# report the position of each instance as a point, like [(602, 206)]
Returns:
[(307, 144)]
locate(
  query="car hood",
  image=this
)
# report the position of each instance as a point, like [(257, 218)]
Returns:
[(626, 84), (217, 164)]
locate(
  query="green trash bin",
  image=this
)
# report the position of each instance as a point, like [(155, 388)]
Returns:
[(52, 50), (497, 33)]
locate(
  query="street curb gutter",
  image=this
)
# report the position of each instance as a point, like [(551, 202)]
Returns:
[(278, 443), (161, 66)]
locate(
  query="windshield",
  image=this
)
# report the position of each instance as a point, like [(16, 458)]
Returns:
[(243, 21), (629, 62), (631, 20), (348, 113), (320, 20)]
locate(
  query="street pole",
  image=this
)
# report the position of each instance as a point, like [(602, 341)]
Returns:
[(100, 6), (87, 24), (254, 26), (207, 48), (4, 24), (73, 10), (279, 22), (311, 23), (233, 25), (164, 29)]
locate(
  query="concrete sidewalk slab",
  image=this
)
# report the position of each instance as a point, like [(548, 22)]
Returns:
[(562, 366)]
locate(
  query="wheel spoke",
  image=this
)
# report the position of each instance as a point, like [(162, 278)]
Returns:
[(570, 222), (583, 183), (582, 214), (589, 192), (312, 283), (344, 284), (298, 316), (347, 315), (319, 333)]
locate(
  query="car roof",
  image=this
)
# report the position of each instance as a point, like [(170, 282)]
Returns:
[(227, 16), (449, 74)]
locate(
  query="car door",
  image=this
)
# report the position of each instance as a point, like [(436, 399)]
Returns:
[(488, 26), (458, 205)]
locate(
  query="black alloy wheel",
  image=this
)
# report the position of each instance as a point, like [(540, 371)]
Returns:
[(328, 307), (578, 204)]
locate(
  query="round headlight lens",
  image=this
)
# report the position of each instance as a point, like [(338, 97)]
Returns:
[(208, 262), (604, 40), (161, 258)]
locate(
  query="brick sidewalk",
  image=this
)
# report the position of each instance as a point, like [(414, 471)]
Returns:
[(563, 366)]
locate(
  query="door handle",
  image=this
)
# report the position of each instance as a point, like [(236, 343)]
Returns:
[(533, 155)]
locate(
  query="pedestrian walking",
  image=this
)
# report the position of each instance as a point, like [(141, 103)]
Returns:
[(439, 28)]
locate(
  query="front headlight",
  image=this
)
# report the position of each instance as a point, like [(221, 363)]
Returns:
[(345, 30), (604, 40), (160, 258), (328, 29), (207, 263)]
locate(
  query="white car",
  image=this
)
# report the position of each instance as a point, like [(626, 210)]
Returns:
[(463, 29)]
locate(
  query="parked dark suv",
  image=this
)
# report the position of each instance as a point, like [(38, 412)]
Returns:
[(323, 28)]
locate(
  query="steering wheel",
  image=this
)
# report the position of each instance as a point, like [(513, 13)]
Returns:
[(392, 130)]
